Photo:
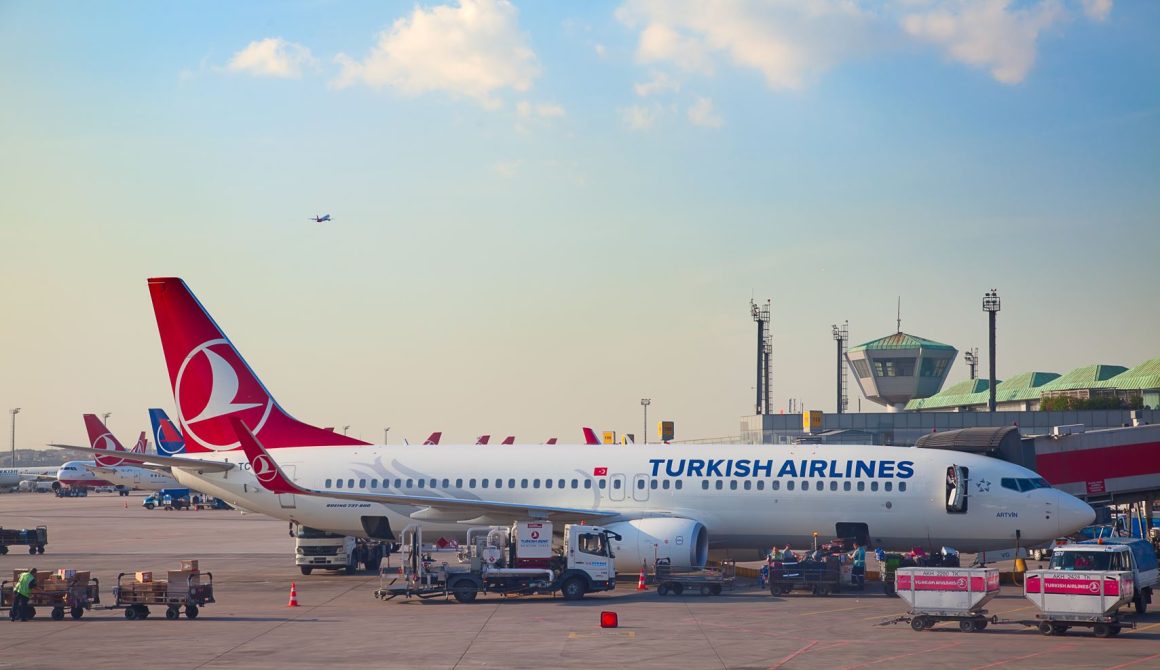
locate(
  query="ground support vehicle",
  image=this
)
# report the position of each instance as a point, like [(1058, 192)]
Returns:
[(320, 550), (35, 538), (74, 594), (708, 581), (946, 594), (1122, 553), (1089, 599), (509, 561), (72, 492), (189, 589), (821, 578), (169, 499)]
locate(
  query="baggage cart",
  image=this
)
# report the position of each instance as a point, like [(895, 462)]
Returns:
[(59, 595), (35, 538), (946, 594), (189, 590), (821, 578), (708, 581), (1088, 599)]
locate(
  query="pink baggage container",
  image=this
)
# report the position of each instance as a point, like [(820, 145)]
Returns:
[(948, 591), (1089, 592)]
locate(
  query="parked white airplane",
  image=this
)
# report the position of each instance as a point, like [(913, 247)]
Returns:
[(10, 478), (113, 470), (674, 501)]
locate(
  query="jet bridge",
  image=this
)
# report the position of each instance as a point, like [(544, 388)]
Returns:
[(1004, 442)]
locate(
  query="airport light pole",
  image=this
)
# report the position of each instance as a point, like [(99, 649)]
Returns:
[(645, 402), (14, 411), (386, 432), (105, 418), (344, 429), (991, 307)]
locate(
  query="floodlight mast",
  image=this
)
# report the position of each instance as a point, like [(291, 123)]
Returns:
[(991, 307)]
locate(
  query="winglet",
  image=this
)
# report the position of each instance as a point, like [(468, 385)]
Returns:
[(433, 438), (590, 436), (267, 472)]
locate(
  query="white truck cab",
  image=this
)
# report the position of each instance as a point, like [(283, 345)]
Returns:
[(320, 549), (1117, 553)]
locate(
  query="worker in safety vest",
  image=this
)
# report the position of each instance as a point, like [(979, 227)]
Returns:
[(858, 574), (20, 595)]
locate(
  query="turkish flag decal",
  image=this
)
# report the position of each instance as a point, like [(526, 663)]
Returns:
[(599, 472)]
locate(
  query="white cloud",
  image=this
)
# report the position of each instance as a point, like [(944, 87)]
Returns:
[(1097, 10), (542, 110), (272, 57), (987, 33), (787, 41), (506, 168), (639, 117), (791, 42), (473, 49), (701, 113), (600, 50), (660, 83)]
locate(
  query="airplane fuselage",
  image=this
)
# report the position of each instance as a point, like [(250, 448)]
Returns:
[(748, 496)]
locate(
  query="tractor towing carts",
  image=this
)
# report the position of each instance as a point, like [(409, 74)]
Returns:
[(515, 560), (35, 538)]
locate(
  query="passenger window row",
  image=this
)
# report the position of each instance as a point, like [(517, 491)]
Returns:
[(804, 485), (498, 483)]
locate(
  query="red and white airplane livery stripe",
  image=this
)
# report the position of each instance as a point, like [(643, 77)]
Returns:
[(213, 384)]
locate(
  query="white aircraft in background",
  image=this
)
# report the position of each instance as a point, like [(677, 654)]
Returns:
[(665, 501), (320, 219), (113, 470), (10, 478)]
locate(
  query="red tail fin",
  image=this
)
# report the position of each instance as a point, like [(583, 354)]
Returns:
[(483, 439), (433, 438), (141, 445), (510, 439), (551, 440), (212, 383), (101, 438), (590, 436)]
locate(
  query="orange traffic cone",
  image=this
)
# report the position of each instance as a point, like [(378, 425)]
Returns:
[(640, 582), (293, 596)]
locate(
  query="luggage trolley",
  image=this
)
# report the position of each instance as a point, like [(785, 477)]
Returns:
[(35, 538), (72, 594), (1069, 599), (136, 596), (946, 594), (706, 581)]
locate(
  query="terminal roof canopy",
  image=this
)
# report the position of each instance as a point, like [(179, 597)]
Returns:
[(902, 340)]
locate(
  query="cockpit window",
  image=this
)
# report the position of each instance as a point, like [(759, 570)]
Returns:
[(1024, 484)]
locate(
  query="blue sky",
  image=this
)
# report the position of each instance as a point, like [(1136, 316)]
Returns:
[(546, 211)]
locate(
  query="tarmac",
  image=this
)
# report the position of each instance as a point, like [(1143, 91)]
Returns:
[(340, 623)]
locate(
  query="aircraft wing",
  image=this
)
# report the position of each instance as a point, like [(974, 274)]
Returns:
[(272, 477), (153, 459)]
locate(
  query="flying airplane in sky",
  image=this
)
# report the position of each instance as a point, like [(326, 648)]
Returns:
[(675, 501), (320, 219)]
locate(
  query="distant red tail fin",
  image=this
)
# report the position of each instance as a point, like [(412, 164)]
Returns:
[(213, 384), (101, 438), (510, 439), (483, 439), (433, 438), (551, 440), (141, 445), (590, 436)]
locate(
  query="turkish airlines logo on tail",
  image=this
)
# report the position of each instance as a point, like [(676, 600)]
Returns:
[(106, 442), (264, 469), (212, 385)]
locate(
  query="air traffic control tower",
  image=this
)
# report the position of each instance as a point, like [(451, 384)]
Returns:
[(898, 368)]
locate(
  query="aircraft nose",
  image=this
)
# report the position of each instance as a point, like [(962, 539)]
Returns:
[(1074, 514)]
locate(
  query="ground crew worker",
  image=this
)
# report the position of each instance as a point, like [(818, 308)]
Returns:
[(20, 595), (858, 574)]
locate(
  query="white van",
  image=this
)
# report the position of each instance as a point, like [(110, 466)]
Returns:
[(1117, 553)]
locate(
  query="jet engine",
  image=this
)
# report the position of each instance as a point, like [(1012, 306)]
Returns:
[(684, 542)]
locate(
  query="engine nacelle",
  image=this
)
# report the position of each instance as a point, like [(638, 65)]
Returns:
[(683, 541)]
